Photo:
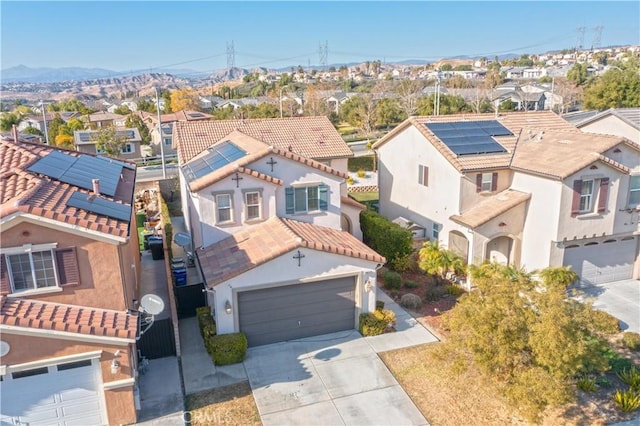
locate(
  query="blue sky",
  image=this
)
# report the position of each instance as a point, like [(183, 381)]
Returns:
[(143, 35)]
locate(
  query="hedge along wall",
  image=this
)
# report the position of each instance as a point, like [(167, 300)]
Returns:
[(166, 225), (387, 238)]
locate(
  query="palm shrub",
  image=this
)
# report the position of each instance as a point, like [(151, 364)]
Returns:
[(439, 262), (631, 340), (630, 377), (628, 400)]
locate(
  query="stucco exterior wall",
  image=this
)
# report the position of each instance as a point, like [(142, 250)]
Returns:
[(119, 402), (509, 224), (106, 280), (315, 266), (612, 125), (402, 195), (542, 221), (469, 197)]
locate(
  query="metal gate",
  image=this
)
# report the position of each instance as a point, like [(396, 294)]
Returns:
[(158, 341), (188, 298)]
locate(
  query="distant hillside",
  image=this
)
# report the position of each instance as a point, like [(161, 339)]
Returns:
[(26, 74)]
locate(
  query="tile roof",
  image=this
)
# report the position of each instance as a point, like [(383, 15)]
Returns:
[(255, 150), (540, 138), (40, 195), (261, 243), (491, 207), (35, 314), (352, 202), (104, 116), (311, 137), (576, 149)]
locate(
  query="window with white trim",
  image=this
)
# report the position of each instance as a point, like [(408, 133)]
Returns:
[(128, 148), (634, 191), (167, 141), (435, 231), (306, 199), (487, 182), (252, 201), (33, 267), (586, 196), (423, 175), (224, 208)]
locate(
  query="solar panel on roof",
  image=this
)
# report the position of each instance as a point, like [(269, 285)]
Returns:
[(53, 165), (470, 137), (100, 206), (217, 157)]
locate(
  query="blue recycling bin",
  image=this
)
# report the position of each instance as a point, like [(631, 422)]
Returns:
[(180, 276)]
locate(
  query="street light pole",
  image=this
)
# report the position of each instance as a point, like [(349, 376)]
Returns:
[(44, 121), (281, 102), (164, 169)]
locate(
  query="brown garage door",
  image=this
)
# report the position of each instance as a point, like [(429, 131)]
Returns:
[(299, 310)]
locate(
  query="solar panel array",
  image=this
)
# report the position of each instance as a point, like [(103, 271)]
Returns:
[(80, 171), (470, 137), (100, 206), (217, 157)]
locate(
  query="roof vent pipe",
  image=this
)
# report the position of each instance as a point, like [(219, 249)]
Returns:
[(14, 130), (96, 186)]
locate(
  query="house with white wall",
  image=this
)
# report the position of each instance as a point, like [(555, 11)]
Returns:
[(275, 235), (623, 122), (525, 189)]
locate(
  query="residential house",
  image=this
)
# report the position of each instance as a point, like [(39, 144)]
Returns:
[(37, 121), (337, 99), (69, 267), (104, 119), (209, 102), (166, 139), (527, 189), (624, 122), (85, 142), (273, 227), (133, 106), (523, 100), (151, 120)]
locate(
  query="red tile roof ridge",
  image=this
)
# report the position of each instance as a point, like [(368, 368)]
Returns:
[(260, 175)]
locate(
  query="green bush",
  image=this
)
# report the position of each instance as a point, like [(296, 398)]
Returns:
[(203, 314), (605, 322), (454, 290), (630, 377), (392, 280), (628, 400), (379, 305), (387, 238), (411, 284), (435, 293), (227, 349), (166, 225), (603, 382), (411, 301), (586, 384), (631, 340), (376, 322), (403, 263), (617, 363)]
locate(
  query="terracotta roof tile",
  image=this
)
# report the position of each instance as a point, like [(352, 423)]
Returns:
[(259, 244), (70, 318), (311, 137), (491, 207), (40, 195)]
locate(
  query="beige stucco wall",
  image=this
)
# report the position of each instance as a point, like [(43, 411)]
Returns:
[(468, 195), (91, 149), (119, 402), (612, 125), (509, 224), (106, 279)]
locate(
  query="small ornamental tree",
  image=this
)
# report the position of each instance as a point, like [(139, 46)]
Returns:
[(528, 335), (440, 262), (109, 141)]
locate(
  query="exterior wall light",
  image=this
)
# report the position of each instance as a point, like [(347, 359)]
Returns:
[(115, 367), (227, 307)]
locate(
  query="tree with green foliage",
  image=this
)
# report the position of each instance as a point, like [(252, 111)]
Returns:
[(33, 131), (614, 89), (122, 110), (578, 74), (166, 97), (224, 113), (147, 106), (8, 120), (53, 127), (507, 105), (70, 127), (524, 61), (109, 141), (440, 262), (528, 336), (70, 105), (134, 120), (446, 67), (463, 68), (388, 112)]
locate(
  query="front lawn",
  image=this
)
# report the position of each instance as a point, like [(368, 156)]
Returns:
[(230, 405)]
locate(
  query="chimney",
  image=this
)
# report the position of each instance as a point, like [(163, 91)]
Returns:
[(96, 186), (14, 130)]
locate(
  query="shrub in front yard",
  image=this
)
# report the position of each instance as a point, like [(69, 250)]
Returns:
[(392, 280), (454, 289), (411, 301), (586, 384), (411, 284), (203, 314), (631, 340), (628, 400), (379, 305), (631, 378), (387, 238), (227, 348), (605, 322), (435, 293), (376, 322)]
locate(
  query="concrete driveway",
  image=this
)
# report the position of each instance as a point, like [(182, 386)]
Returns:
[(334, 379), (621, 299)]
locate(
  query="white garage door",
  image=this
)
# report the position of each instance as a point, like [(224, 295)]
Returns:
[(63, 394), (608, 261)]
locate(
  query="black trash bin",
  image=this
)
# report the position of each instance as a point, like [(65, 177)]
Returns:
[(157, 248)]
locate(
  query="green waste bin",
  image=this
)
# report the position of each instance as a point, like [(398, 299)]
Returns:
[(141, 218)]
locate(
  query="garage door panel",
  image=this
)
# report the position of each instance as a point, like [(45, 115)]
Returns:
[(602, 263), (295, 311)]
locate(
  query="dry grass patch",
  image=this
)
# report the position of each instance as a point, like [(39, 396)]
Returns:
[(230, 405), (443, 396)]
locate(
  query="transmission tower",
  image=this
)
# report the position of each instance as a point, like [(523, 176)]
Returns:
[(597, 36), (323, 53), (580, 31), (231, 55)]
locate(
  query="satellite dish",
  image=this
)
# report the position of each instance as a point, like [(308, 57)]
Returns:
[(4, 348), (182, 239), (151, 304)]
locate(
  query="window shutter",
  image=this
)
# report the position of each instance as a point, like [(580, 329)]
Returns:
[(479, 182), (323, 191), (494, 181), (288, 192), (5, 285), (67, 265), (420, 174), (604, 193), (577, 190)]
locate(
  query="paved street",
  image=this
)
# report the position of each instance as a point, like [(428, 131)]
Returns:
[(151, 173)]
